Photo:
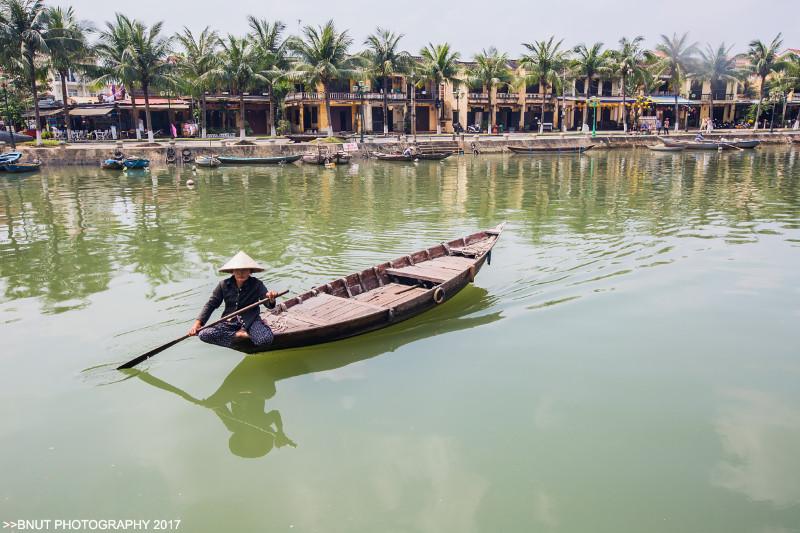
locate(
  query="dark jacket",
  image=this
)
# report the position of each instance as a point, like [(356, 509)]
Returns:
[(235, 298)]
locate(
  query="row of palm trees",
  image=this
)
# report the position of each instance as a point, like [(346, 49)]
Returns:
[(36, 38)]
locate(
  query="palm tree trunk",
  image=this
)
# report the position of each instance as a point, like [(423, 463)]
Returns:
[(492, 116), (63, 76), (414, 112), (35, 103), (146, 89), (135, 112), (385, 106), (241, 116), (272, 112), (438, 111), (541, 118), (328, 109), (677, 120), (203, 117), (758, 107), (783, 113), (624, 109)]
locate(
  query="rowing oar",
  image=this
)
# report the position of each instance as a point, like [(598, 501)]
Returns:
[(133, 362)]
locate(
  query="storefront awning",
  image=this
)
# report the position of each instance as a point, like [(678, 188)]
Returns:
[(90, 111), (44, 113), (670, 100)]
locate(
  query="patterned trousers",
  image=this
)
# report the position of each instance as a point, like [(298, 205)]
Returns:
[(223, 333)]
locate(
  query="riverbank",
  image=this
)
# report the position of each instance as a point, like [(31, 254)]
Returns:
[(90, 154)]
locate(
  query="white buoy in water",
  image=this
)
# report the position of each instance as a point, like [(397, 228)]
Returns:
[(189, 183)]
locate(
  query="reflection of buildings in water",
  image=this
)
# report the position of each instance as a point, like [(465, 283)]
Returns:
[(760, 436), (241, 401)]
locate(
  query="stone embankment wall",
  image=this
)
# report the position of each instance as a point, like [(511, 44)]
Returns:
[(91, 155)]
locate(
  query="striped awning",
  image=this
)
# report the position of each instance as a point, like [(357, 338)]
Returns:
[(670, 100), (90, 111)]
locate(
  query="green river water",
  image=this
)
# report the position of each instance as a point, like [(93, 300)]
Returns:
[(629, 362)]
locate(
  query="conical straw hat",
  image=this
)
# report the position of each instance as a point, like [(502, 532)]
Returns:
[(241, 260)]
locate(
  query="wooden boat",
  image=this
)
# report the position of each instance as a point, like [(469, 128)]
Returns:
[(305, 137), (665, 148), (394, 157), (568, 148), (341, 158), (22, 167), (136, 162), (712, 144), (9, 157), (379, 296), (745, 144), (274, 160), (207, 161), (433, 156), (112, 164)]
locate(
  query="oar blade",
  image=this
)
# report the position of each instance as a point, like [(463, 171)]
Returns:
[(145, 356)]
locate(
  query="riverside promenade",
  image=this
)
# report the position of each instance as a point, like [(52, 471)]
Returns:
[(91, 153)]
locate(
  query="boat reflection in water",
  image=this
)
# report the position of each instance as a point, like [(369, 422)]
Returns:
[(241, 401)]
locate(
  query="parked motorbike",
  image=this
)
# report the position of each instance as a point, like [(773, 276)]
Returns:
[(474, 129)]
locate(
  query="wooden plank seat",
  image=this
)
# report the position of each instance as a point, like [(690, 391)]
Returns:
[(436, 270), (325, 309), (390, 295)]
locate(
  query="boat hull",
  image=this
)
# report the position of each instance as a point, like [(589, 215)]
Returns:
[(9, 158), (112, 164), (378, 297), (531, 150), (136, 163), (434, 156), (394, 157), (658, 148), (230, 160), (712, 145), (19, 168), (207, 162)]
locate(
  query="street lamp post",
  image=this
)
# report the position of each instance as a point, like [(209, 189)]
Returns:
[(8, 117), (360, 92)]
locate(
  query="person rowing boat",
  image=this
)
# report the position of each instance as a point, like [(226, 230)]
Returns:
[(238, 291)]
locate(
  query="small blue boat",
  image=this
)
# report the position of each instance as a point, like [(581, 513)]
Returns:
[(19, 168), (112, 164), (9, 157), (136, 162)]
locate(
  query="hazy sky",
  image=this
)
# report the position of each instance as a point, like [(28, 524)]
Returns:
[(470, 25)]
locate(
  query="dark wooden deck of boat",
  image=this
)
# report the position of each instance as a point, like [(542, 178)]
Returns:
[(436, 270)]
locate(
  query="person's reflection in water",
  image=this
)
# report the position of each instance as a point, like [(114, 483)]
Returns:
[(253, 432), (241, 400), (241, 403)]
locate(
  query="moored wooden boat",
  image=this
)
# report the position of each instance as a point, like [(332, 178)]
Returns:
[(136, 162), (665, 148), (207, 161), (379, 296), (8, 158), (715, 144), (433, 156), (22, 167), (547, 148), (393, 157), (112, 164), (273, 160)]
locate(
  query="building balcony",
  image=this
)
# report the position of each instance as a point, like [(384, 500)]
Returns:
[(507, 97), (478, 97), (533, 97), (343, 96)]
